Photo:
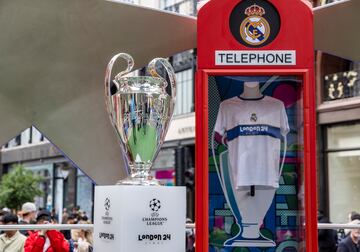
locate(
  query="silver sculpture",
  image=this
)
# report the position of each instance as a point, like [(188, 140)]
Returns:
[(140, 111)]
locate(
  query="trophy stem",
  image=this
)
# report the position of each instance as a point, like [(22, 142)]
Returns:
[(139, 175)]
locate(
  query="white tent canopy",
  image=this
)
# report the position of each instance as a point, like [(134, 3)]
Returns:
[(337, 29), (53, 56)]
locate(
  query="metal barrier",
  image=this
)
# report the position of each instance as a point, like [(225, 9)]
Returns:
[(61, 227), (47, 227), (337, 226), (188, 226)]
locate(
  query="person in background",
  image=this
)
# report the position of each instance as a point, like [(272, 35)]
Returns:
[(2, 214), (12, 240), (65, 216), (327, 238), (352, 216), (28, 212), (6, 210), (82, 239), (75, 210), (54, 216), (351, 242), (46, 240), (72, 219), (84, 216)]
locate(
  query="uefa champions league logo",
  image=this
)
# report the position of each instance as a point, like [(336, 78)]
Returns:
[(107, 219), (155, 205), (155, 219), (107, 206)]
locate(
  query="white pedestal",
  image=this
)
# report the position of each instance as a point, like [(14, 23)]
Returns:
[(139, 218)]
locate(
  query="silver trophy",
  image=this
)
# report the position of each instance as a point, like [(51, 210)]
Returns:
[(140, 111)]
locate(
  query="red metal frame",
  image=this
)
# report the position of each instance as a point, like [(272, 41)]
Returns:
[(296, 33), (201, 175)]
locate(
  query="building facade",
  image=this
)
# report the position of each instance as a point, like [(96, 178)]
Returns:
[(64, 185), (339, 136), (338, 109)]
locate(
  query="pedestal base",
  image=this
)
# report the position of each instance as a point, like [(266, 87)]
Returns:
[(240, 241), (139, 218)]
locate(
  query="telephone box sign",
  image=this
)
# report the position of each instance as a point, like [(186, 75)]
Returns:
[(255, 58), (248, 33)]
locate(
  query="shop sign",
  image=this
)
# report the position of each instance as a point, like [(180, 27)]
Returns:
[(255, 58)]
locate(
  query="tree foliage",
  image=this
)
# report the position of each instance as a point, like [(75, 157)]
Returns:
[(19, 186)]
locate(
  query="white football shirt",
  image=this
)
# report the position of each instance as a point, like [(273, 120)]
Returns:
[(254, 129)]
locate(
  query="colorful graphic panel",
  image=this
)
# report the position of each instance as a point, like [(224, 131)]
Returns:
[(230, 202)]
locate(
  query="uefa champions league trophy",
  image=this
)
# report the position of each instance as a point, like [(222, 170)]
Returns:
[(140, 111), (248, 211)]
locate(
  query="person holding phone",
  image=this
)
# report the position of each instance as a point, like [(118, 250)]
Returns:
[(46, 240)]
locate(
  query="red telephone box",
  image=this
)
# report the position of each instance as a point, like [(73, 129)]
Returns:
[(255, 127)]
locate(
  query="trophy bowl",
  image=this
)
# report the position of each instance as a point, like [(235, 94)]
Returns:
[(140, 111)]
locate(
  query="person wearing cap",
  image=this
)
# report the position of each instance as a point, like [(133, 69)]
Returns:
[(28, 212), (351, 242), (352, 216), (46, 240), (11, 240)]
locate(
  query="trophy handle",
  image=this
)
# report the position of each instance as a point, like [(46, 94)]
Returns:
[(109, 80), (171, 73)]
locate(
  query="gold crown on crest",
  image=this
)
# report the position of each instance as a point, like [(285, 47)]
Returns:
[(255, 10)]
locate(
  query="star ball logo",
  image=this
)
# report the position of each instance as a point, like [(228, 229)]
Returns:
[(155, 205), (254, 23)]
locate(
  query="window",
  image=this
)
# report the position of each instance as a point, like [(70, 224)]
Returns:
[(186, 7), (185, 92), (85, 197), (343, 157), (36, 136), (25, 137)]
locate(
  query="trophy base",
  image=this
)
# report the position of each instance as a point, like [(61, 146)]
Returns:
[(139, 219), (239, 241), (138, 181)]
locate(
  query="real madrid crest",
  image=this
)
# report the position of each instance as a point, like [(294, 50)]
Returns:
[(253, 117), (255, 30), (254, 23)]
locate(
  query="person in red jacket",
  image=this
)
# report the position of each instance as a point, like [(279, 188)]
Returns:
[(46, 240)]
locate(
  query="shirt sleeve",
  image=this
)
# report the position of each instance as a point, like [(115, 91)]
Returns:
[(220, 126), (284, 124), (58, 241)]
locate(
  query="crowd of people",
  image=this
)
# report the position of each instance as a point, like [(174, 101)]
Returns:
[(347, 240), (75, 240)]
